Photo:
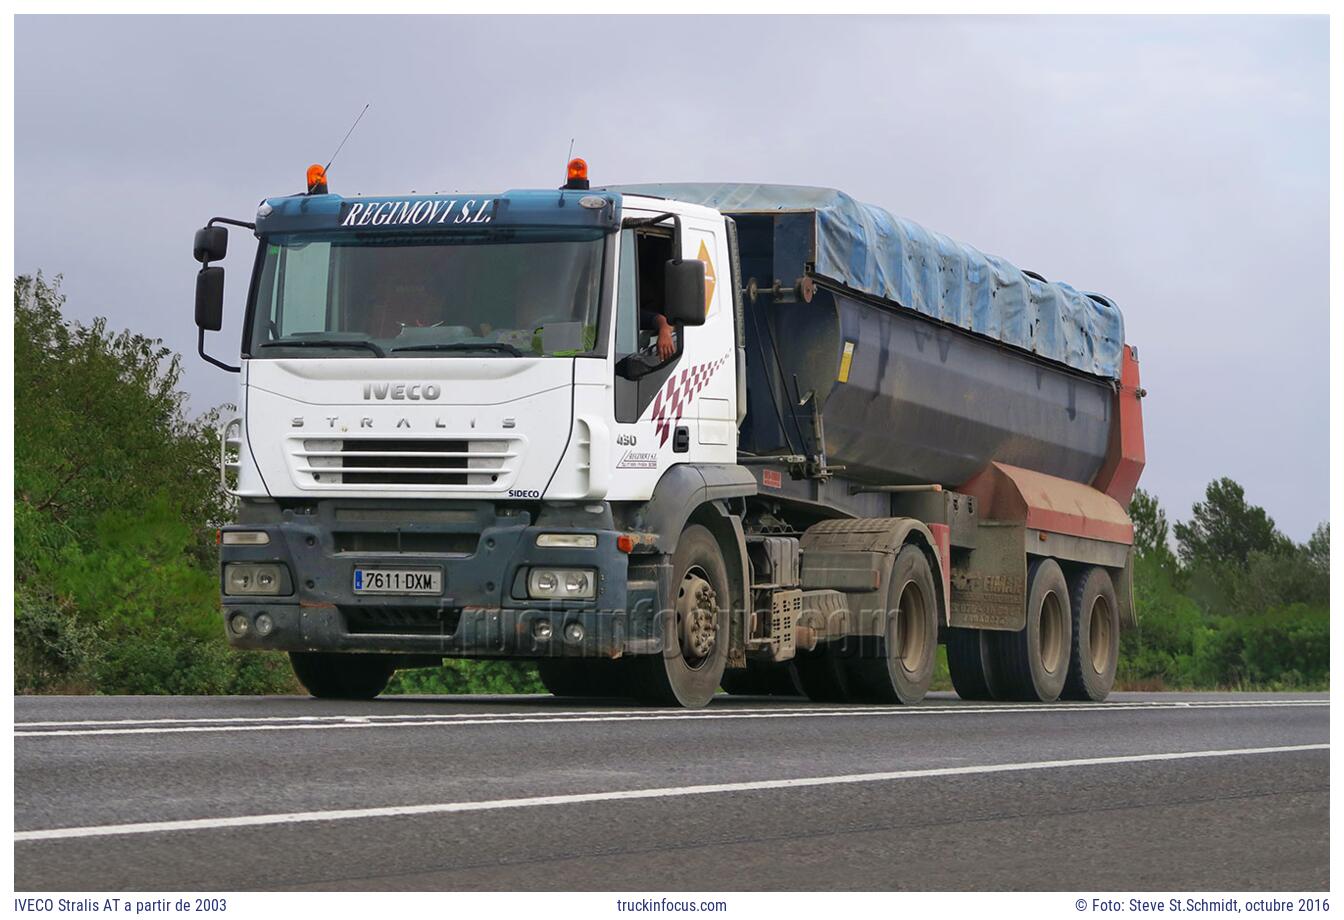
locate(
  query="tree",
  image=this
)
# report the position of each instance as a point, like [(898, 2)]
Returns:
[(116, 495), (1224, 529), (1150, 528), (101, 424), (1318, 548)]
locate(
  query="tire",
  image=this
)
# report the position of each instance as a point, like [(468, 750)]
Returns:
[(753, 680), (897, 666), (1096, 636), (760, 678), (343, 676), (1033, 663), (823, 675), (695, 630), (968, 662), (784, 680), (581, 677)]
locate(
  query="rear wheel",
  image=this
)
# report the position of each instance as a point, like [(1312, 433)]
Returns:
[(897, 667), (343, 676), (969, 663), (695, 629), (761, 678), (1033, 663), (1096, 636), (823, 674)]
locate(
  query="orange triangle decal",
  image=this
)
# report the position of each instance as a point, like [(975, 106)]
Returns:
[(703, 256)]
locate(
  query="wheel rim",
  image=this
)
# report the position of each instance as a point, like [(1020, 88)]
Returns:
[(697, 617), (1099, 634), (1051, 632), (911, 628)]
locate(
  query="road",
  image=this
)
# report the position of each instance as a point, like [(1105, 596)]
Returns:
[(1143, 792)]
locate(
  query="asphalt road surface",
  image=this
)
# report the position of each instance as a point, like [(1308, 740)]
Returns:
[(1144, 792)]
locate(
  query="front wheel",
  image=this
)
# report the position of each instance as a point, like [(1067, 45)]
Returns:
[(695, 628), (343, 676)]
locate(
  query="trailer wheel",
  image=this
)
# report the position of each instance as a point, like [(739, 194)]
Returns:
[(581, 677), (969, 662), (897, 666), (695, 630), (343, 676), (1033, 663), (1096, 636)]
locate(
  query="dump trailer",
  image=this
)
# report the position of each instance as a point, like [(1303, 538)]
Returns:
[(664, 439)]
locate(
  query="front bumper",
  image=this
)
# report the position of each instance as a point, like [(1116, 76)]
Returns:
[(483, 550)]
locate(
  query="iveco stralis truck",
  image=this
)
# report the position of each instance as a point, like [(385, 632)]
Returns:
[(665, 439)]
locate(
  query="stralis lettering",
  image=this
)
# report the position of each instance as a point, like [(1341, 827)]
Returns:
[(418, 213), (401, 391)]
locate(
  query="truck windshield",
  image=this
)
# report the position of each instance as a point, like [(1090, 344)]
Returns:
[(503, 292)]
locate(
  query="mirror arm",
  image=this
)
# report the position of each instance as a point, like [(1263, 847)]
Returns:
[(200, 349), (658, 219), (231, 222)]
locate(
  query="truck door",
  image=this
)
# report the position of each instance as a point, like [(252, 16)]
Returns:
[(683, 409)]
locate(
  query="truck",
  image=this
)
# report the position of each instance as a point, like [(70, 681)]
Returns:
[(669, 439)]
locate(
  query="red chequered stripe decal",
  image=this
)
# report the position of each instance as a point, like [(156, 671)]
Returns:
[(675, 397)]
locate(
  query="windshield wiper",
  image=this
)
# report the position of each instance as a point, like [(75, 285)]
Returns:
[(463, 346), (325, 343)]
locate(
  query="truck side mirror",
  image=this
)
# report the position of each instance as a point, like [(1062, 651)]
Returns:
[(210, 298), (684, 292), (211, 243)]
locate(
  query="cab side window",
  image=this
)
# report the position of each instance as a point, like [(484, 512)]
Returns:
[(644, 257), (643, 337)]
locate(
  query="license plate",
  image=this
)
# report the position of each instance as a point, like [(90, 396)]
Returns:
[(398, 581)]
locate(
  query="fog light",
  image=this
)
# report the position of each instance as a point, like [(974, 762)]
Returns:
[(239, 624), (574, 632), (541, 629), (265, 625)]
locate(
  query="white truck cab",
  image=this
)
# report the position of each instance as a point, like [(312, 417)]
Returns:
[(452, 409)]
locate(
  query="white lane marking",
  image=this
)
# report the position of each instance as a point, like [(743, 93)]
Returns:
[(433, 721), (934, 705), (349, 814)]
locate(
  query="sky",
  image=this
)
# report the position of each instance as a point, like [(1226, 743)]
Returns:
[(1176, 164)]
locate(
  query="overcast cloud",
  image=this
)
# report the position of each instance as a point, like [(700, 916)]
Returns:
[(1178, 165)]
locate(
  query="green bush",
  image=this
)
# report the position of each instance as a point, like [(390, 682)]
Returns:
[(458, 676)]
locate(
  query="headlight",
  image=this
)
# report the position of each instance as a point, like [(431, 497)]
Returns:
[(577, 540), (256, 578), (562, 583)]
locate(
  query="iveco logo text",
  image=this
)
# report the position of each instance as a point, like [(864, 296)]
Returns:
[(401, 391)]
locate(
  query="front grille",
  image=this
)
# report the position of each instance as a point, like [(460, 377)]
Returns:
[(450, 544), (423, 463), (417, 621)]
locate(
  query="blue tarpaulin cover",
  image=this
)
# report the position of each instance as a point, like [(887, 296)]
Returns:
[(868, 249)]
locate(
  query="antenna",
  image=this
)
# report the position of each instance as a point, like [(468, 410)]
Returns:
[(347, 136), (571, 150)]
